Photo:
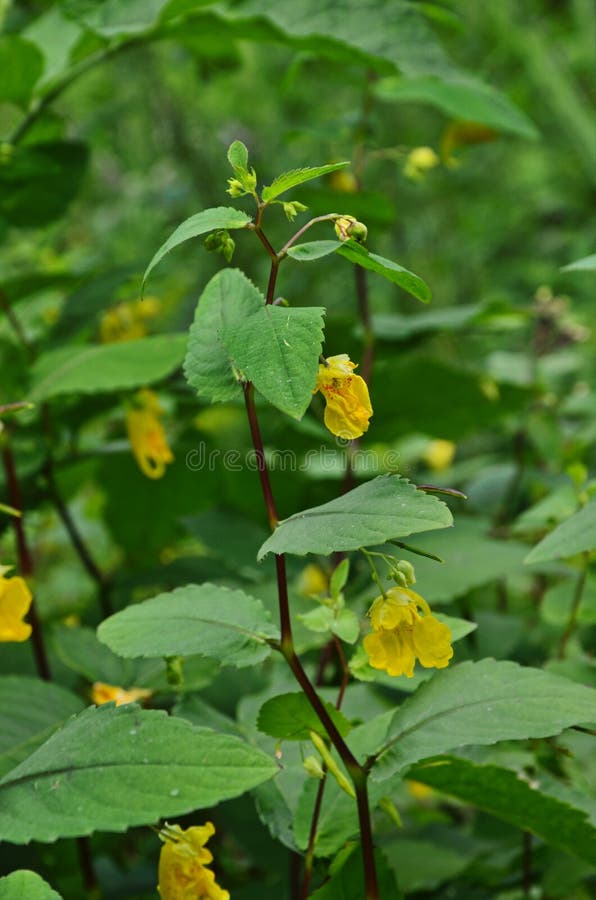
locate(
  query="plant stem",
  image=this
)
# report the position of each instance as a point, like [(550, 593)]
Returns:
[(326, 218), (577, 598)]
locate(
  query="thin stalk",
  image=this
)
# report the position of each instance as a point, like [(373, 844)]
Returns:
[(312, 835), (527, 862), (577, 599), (326, 218)]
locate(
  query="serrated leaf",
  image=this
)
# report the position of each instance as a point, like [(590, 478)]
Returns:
[(228, 299), (204, 619), (585, 264), (26, 885), (208, 220), (30, 710), (390, 270), (293, 178), (505, 795), (464, 98), (278, 349), (576, 535), (290, 717), (386, 507), (313, 250), (238, 155), (113, 767), (103, 368), (481, 703)]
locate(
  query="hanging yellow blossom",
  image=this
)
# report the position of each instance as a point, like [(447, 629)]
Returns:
[(147, 436), (439, 454), (183, 872), (312, 581), (127, 321), (348, 406), (103, 693), (461, 134), (15, 600), (402, 635)]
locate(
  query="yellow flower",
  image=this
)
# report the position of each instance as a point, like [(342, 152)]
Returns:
[(418, 790), (344, 181), (312, 581), (419, 161), (15, 600), (103, 693), (439, 455), (460, 134), (182, 865), (147, 436), (127, 321), (348, 406), (402, 635)]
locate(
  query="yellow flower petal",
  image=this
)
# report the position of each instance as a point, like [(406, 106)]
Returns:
[(147, 436), (432, 642), (104, 693), (183, 872), (348, 406), (15, 600)]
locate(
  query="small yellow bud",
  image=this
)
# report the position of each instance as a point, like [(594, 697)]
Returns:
[(439, 455), (419, 161), (347, 227), (343, 181), (236, 188)]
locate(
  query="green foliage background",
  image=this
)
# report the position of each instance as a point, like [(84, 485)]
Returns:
[(115, 119)]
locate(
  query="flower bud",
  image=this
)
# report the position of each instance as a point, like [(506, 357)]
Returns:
[(236, 188), (406, 569), (313, 767), (420, 160), (292, 208), (347, 227)]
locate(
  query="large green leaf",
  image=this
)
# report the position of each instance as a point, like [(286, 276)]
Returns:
[(278, 349), (386, 507), (204, 619), (235, 333), (102, 368), (201, 223), (290, 717), (37, 183), (228, 299), (115, 18), (463, 98), (30, 710), (354, 32), (26, 885), (21, 64), (292, 179), (481, 703), (576, 535), (504, 794), (585, 264), (112, 767), (390, 270)]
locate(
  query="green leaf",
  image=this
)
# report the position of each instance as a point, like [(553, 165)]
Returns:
[(505, 795), (37, 183), (347, 879), (424, 865), (115, 18), (481, 703), (292, 179), (346, 626), (30, 710), (386, 507), (26, 885), (228, 299), (204, 619), (238, 155), (339, 578), (576, 535), (465, 98), (313, 250), (113, 767), (207, 220), (278, 349), (290, 717), (21, 64), (103, 368), (390, 270), (235, 332), (586, 264)]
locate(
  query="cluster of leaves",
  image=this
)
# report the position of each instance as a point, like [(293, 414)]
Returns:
[(481, 777)]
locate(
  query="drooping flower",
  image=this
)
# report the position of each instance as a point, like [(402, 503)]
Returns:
[(15, 600), (406, 630), (346, 396), (128, 321), (147, 436), (104, 693), (183, 861)]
